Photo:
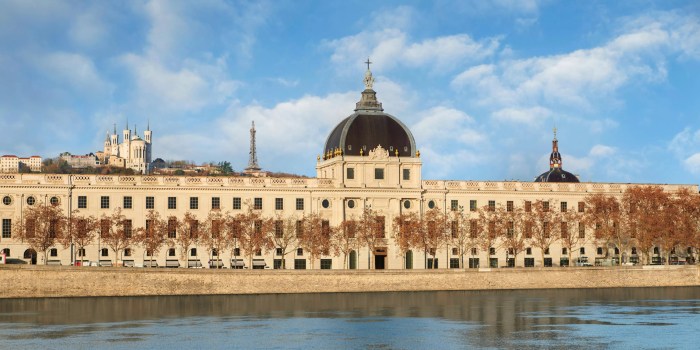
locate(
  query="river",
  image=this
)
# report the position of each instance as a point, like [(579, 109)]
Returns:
[(640, 318)]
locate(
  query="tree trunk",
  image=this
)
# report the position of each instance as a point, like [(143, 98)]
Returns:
[(284, 259)]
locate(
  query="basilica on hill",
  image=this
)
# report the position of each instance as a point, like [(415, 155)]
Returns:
[(370, 161), (132, 152)]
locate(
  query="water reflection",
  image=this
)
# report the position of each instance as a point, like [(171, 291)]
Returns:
[(600, 318)]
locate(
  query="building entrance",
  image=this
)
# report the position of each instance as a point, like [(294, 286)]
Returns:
[(380, 258)]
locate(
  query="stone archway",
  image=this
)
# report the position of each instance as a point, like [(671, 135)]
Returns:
[(30, 254)]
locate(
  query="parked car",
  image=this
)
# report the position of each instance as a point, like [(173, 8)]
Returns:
[(583, 261)]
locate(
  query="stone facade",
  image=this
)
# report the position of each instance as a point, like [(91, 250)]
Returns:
[(333, 199)]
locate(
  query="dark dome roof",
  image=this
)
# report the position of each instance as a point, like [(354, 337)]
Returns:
[(557, 175), (368, 129)]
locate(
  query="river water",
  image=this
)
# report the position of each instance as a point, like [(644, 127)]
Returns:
[(639, 318)]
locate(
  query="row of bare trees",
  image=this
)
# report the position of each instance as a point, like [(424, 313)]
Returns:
[(644, 218)]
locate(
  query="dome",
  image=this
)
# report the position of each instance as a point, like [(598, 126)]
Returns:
[(557, 175), (370, 127), (366, 130)]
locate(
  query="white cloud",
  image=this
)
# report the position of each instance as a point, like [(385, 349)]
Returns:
[(388, 45), (578, 78), (692, 163), (74, 70), (529, 116), (447, 127), (685, 146)]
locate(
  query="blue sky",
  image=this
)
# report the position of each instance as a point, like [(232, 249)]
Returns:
[(481, 84)]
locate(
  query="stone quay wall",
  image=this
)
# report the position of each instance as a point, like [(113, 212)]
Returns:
[(56, 281)]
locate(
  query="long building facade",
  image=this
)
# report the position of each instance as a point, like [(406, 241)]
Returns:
[(370, 160)]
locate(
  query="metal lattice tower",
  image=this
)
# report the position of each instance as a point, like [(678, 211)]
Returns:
[(253, 160)]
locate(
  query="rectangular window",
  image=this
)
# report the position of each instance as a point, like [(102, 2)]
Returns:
[(6, 228), (279, 204), (406, 174), (81, 252), (300, 251), (492, 205), (581, 207), (564, 230), (454, 263), (104, 202), (82, 202), (105, 225), (454, 228), (581, 230), (127, 202), (528, 229), (215, 203), (126, 225), (278, 251), (237, 203), (194, 203), (150, 203), (509, 206), (379, 173), (257, 203), (381, 230), (299, 264), (127, 252), (545, 229), (351, 173), (279, 229), (528, 206), (563, 207), (510, 228), (472, 205), (473, 228), (172, 227), (105, 252), (454, 205), (172, 203), (300, 228), (326, 264), (545, 206), (300, 203)]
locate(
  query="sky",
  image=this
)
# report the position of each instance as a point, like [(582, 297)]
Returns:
[(481, 84)]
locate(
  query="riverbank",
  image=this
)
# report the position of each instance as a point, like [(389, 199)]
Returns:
[(59, 281)]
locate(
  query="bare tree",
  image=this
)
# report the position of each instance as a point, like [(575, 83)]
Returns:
[(603, 215), (514, 239), (316, 239), (120, 233), (542, 219), (406, 227), (253, 233), (82, 232), (214, 234), (153, 236), (285, 236), (689, 220), (642, 204), (345, 239), (569, 230), (433, 233), (489, 227), (44, 225), (371, 232), (187, 236)]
